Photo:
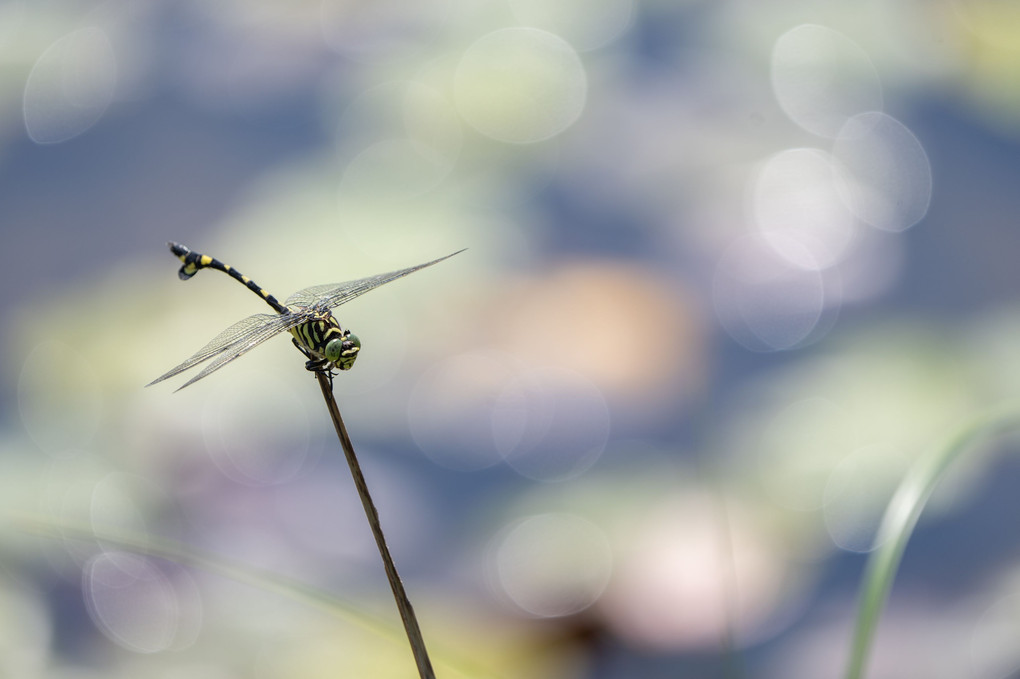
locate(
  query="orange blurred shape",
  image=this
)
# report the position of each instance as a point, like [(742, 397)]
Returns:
[(634, 334)]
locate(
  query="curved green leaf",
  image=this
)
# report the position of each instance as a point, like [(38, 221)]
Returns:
[(901, 517)]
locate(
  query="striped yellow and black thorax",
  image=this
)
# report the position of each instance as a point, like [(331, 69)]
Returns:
[(324, 338)]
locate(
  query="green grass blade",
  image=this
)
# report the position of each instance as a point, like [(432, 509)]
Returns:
[(900, 519)]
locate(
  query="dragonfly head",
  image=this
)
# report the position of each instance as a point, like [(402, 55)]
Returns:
[(342, 352)]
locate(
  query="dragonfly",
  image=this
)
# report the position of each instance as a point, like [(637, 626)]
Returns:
[(307, 315)]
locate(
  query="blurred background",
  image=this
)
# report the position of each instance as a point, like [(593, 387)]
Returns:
[(732, 267)]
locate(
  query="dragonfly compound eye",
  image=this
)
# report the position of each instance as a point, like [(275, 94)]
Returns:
[(343, 352)]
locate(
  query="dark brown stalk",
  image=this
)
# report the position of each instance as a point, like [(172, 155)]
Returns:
[(421, 656)]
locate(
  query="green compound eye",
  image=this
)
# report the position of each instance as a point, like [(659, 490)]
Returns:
[(333, 350), (343, 352)]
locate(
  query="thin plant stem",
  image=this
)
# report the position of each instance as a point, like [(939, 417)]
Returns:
[(732, 663), (421, 656)]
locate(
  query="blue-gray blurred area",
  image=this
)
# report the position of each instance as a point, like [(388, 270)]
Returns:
[(733, 268)]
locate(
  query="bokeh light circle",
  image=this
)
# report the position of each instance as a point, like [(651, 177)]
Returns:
[(478, 409), (135, 604), (520, 85), (765, 302), (890, 181), (550, 424), (452, 409), (821, 78), (552, 565), (70, 86), (393, 169), (66, 496), (796, 200), (399, 140)]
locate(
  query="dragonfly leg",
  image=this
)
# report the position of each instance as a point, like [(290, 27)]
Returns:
[(312, 363), (317, 365)]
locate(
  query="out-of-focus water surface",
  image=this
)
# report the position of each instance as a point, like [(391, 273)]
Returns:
[(732, 267)]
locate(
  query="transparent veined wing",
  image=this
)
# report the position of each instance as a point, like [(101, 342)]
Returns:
[(246, 344), (242, 334), (333, 295)]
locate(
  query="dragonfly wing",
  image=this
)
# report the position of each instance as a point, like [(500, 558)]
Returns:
[(309, 296), (236, 334), (334, 294), (246, 344)]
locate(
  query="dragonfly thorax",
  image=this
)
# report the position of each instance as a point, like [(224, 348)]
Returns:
[(323, 338)]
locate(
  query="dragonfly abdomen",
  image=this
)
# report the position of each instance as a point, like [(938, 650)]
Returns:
[(194, 261)]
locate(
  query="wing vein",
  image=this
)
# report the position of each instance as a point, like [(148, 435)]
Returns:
[(234, 336)]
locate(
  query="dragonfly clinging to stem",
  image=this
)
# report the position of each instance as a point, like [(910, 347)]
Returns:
[(307, 314)]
